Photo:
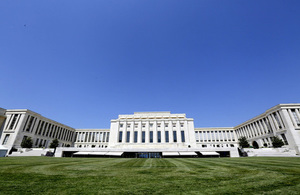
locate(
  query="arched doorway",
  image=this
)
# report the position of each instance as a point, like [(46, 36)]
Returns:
[(255, 145)]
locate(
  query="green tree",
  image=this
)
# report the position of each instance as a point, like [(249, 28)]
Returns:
[(243, 142), (27, 143), (276, 142), (54, 144)]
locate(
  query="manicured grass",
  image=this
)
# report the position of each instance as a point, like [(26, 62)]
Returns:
[(46, 175)]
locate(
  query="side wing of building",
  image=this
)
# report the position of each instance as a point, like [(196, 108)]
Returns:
[(23, 123)]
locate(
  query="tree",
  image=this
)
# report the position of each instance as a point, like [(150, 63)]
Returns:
[(27, 143), (243, 142), (276, 142), (54, 144)]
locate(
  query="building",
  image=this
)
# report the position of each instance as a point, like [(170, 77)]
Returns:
[(153, 134), (22, 123)]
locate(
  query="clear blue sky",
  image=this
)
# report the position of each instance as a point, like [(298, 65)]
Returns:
[(82, 63)]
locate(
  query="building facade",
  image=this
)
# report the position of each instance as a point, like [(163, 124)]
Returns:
[(156, 134), (22, 123)]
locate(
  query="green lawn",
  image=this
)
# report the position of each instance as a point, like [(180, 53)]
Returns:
[(46, 175)]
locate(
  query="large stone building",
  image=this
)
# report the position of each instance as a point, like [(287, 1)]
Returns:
[(152, 134)]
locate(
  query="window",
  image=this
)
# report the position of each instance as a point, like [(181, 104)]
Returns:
[(127, 136), (37, 141), (158, 125), (204, 146), (174, 136), (158, 136), (182, 136), (30, 123), (13, 122), (5, 139), (143, 136), (121, 125), (128, 126), (107, 137), (166, 125), (143, 125), (167, 136), (295, 116), (151, 136), (151, 125), (284, 139), (120, 136), (174, 125), (135, 137)]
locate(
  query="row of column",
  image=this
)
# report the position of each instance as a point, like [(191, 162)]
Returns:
[(214, 136), (154, 129), (92, 137), (263, 126)]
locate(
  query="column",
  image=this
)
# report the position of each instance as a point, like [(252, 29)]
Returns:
[(155, 133), (132, 127), (273, 127), (178, 131), (140, 132)]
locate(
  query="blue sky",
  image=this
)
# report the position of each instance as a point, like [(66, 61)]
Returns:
[(82, 63)]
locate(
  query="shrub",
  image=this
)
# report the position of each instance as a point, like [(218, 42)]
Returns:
[(243, 142), (276, 142), (27, 143)]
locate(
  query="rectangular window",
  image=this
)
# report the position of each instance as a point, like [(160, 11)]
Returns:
[(151, 136), (167, 136), (127, 136), (158, 136), (295, 116), (37, 141), (284, 139), (143, 136), (121, 125), (13, 122), (135, 136), (120, 136), (174, 136), (182, 136), (107, 137), (5, 139)]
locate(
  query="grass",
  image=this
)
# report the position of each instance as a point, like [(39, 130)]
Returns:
[(46, 175)]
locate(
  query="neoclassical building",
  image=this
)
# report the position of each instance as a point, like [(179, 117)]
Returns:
[(152, 134)]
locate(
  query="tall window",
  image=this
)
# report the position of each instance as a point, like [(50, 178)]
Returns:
[(107, 137), (143, 136), (167, 136), (127, 136), (151, 136), (135, 136), (158, 136), (284, 139), (5, 139), (120, 136), (182, 136), (295, 116), (13, 122), (174, 136)]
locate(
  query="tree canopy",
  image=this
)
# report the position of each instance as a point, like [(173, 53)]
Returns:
[(243, 142), (27, 143)]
